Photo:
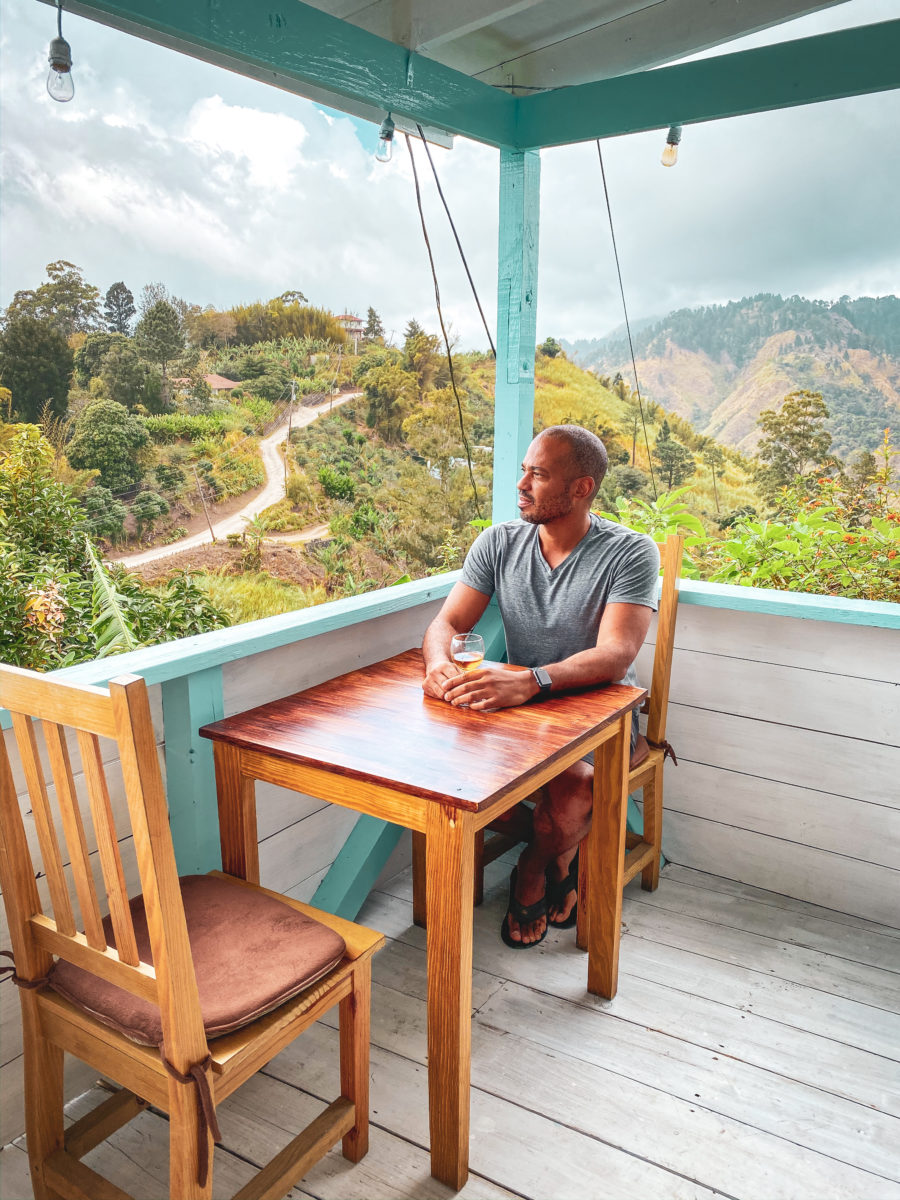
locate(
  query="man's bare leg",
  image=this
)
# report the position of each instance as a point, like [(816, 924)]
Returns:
[(562, 818)]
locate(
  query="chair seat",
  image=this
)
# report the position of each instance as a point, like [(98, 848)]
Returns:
[(251, 953)]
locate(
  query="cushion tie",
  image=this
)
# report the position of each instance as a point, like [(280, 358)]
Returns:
[(666, 748), (10, 973), (206, 1110)]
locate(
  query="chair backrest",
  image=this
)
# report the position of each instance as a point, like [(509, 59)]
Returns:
[(670, 552), (75, 718)]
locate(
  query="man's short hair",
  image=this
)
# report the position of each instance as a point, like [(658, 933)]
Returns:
[(588, 453)]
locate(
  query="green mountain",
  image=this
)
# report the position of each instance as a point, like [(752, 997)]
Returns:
[(720, 366)]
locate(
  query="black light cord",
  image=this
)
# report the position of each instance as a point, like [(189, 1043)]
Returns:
[(637, 386), (458, 242), (437, 297)]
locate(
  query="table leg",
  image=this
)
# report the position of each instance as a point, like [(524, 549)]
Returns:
[(606, 860), (236, 796), (450, 840)]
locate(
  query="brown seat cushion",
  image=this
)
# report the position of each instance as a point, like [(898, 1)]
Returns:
[(639, 753), (251, 953)]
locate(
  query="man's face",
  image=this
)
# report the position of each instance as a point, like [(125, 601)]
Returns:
[(545, 489)]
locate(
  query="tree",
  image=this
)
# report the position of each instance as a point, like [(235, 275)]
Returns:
[(390, 391), (89, 355), (794, 441), (714, 458), (127, 379), (146, 509), (432, 431), (36, 364), (374, 328), (110, 440), (675, 461), (551, 348), (159, 336), (105, 514), (118, 308), (66, 301), (293, 297)]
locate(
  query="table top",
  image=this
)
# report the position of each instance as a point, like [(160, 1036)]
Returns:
[(377, 724)]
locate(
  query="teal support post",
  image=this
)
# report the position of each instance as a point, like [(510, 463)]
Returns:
[(520, 183), (189, 702), (361, 859)]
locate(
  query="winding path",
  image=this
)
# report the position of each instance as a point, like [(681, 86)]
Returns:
[(273, 462)]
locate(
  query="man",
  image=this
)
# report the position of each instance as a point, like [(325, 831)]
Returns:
[(576, 594)]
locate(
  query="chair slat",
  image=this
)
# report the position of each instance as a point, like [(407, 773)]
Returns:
[(43, 820), (73, 829), (108, 847), (670, 552)]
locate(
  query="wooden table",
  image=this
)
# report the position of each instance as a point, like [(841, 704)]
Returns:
[(372, 741)]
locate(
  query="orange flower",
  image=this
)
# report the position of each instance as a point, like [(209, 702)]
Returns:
[(849, 539), (892, 553)]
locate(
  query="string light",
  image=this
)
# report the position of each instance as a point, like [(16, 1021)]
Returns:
[(385, 140), (60, 84), (670, 153)]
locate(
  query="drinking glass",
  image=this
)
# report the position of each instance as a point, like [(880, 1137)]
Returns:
[(467, 650)]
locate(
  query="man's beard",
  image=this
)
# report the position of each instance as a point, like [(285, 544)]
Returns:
[(550, 510)]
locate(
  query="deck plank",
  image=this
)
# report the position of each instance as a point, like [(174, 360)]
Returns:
[(752, 1050)]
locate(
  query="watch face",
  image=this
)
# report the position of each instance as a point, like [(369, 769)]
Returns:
[(544, 681)]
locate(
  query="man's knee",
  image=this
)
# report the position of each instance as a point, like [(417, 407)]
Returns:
[(567, 799)]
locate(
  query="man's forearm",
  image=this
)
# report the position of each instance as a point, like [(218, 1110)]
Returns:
[(600, 664), (436, 643)]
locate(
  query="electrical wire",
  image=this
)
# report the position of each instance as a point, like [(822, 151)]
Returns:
[(458, 242), (437, 297), (637, 386)]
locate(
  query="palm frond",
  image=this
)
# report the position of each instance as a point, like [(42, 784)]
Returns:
[(112, 629)]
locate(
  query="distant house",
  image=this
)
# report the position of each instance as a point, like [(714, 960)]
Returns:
[(218, 384), (354, 327)]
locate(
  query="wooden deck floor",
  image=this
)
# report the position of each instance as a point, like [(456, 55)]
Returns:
[(752, 1052)]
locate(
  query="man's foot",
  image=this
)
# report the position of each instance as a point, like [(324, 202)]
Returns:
[(562, 893), (525, 923)]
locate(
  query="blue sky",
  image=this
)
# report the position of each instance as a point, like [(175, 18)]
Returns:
[(164, 168)]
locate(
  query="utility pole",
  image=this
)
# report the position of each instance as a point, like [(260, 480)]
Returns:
[(287, 445), (203, 502)]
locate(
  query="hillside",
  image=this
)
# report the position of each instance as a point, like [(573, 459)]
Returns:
[(720, 366)]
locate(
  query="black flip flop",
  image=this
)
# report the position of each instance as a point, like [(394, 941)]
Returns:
[(558, 889), (524, 914)]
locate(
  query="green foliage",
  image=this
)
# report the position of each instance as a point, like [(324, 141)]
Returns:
[(675, 461), (173, 427), (90, 354), (250, 597), (68, 303), (105, 515), (58, 604), (127, 379), (659, 518), (110, 440), (550, 348), (146, 509), (374, 327), (118, 308), (336, 485), (794, 441), (391, 392), (36, 365), (159, 334)]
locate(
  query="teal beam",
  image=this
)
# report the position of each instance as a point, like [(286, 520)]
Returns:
[(188, 703), (361, 860), (293, 46), (850, 62), (520, 185)]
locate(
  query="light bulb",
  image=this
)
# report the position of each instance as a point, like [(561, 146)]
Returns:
[(385, 140), (669, 155), (60, 84)]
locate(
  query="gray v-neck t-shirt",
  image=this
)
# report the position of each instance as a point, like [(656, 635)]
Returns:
[(547, 614)]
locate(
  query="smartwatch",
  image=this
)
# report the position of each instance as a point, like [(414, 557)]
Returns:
[(542, 679)]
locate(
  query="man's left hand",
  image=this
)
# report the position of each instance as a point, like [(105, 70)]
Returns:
[(490, 687)]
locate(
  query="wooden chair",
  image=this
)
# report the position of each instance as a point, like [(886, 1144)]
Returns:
[(208, 1012), (642, 851)]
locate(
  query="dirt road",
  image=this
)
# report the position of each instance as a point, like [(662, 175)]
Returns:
[(273, 462)]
